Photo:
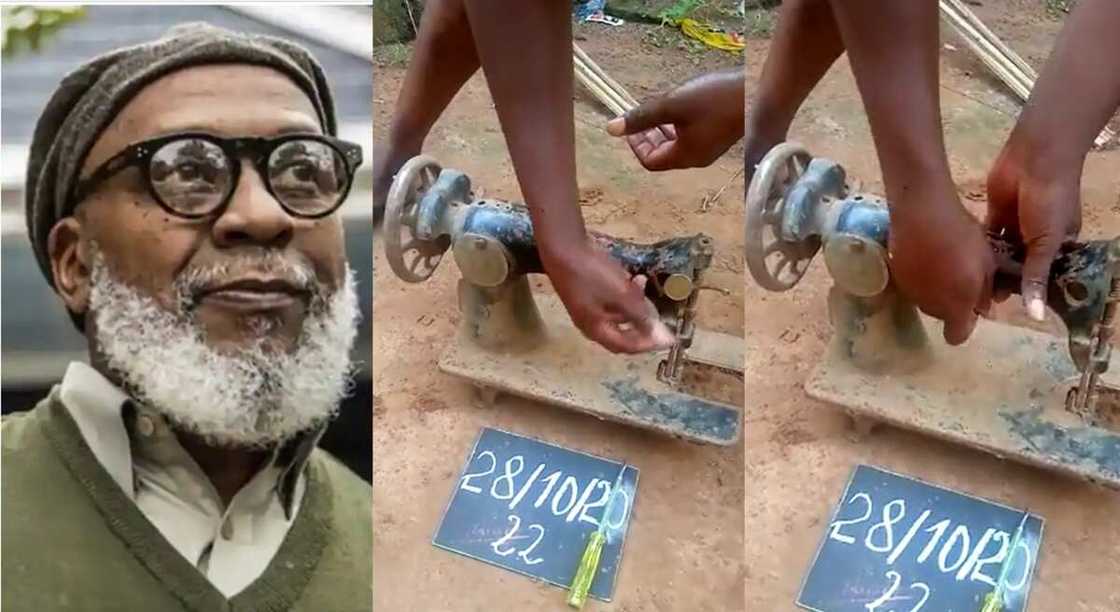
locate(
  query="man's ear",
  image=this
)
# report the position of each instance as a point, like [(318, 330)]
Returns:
[(67, 247)]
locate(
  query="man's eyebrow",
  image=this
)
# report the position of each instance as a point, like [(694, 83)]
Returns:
[(291, 128), (297, 129)]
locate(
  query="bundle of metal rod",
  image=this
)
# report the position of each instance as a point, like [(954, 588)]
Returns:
[(600, 84), (998, 57)]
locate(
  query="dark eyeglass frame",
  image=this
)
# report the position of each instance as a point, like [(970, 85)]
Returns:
[(259, 149)]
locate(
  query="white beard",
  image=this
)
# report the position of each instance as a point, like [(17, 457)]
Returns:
[(253, 397)]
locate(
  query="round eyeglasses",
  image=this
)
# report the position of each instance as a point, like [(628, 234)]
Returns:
[(194, 175)]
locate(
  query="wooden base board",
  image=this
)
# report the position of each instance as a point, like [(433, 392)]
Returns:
[(1003, 393), (571, 372)]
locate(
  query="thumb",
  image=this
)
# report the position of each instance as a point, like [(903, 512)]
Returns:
[(656, 335), (642, 314), (645, 116), (959, 328), (1036, 274)]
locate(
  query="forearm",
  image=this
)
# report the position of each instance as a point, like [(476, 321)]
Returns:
[(725, 87), (805, 45), (443, 59), (526, 53), (893, 49), (724, 99), (1077, 92), (733, 95)]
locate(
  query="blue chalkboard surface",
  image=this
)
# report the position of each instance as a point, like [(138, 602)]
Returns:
[(530, 507), (896, 544)]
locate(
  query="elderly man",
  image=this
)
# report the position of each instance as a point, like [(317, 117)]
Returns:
[(182, 199)]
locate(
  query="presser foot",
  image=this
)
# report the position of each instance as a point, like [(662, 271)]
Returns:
[(568, 371), (1003, 393)]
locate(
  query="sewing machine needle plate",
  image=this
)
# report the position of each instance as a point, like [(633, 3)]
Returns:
[(1003, 393), (571, 372)]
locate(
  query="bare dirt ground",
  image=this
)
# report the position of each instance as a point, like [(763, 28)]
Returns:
[(800, 452), (684, 548)]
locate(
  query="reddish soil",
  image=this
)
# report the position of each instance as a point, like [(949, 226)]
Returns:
[(685, 544)]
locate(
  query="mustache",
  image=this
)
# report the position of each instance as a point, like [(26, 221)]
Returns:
[(197, 278)]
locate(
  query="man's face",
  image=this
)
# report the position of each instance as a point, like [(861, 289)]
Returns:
[(238, 326), (150, 249)]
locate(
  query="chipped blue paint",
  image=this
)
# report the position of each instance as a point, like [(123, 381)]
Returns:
[(1057, 362), (1098, 449), (685, 413)]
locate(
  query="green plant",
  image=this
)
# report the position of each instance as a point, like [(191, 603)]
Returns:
[(1059, 8), (28, 26), (679, 10)]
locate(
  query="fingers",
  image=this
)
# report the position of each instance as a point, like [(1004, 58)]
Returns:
[(645, 116), (987, 292), (609, 306), (614, 338), (661, 158), (655, 148), (635, 326), (649, 335), (1036, 273), (959, 328), (960, 325), (620, 334), (655, 136), (638, 313), (643, 143)]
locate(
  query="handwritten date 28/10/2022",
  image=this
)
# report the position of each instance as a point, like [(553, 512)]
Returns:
[(562, 494), (951, 549)]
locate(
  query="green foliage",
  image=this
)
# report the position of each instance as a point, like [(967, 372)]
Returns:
[(394, 21), (679, 10), (1059, 8), (26, 27)]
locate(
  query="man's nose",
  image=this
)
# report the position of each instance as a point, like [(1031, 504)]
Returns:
[(253, 215)]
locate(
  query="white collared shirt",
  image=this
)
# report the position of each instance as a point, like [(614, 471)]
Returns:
[(231, 545)]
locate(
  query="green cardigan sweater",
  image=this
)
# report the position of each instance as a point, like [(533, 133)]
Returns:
[(72, 540)]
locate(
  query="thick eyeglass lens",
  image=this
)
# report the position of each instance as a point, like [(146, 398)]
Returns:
[(307, 176), (191, 176)]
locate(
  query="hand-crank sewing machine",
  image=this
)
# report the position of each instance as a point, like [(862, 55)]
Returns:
[(1009, 391), (514, 342)]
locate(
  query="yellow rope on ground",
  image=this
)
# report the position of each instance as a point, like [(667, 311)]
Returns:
[(709, 36)]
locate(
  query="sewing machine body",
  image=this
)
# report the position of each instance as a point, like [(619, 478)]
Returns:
[(1009, 391), (511, 340)]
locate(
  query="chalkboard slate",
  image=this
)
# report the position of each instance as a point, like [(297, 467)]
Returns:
[(530, 507), (896, 544)]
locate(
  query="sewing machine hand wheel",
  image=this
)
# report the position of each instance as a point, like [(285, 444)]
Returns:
[(412, 257), (775, 263)]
